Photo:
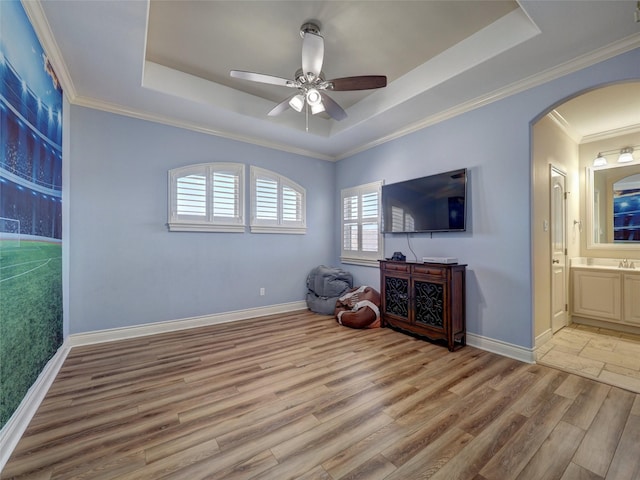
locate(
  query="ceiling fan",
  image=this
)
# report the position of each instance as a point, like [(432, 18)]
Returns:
[(309, 81)]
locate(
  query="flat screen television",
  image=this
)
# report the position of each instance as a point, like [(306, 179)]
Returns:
[(436, 203)]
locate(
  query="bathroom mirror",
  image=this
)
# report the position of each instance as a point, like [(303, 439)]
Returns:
[(613, 207)]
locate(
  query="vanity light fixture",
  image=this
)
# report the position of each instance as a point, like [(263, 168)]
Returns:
[(600, 161), (626, 155)]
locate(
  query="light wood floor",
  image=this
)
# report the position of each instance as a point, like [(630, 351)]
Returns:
[(299, 397), (602, 354)]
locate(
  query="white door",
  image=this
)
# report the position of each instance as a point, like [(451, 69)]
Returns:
[(558, 250)]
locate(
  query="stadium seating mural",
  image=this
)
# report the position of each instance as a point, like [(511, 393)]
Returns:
[(30, 209)]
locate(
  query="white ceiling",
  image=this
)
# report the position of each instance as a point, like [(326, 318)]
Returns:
[(168, 61)]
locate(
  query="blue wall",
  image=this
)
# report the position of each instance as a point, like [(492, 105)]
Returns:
[(493, 142), (127, 269)]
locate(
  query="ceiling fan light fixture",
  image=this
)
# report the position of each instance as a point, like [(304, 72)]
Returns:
[(313, 97), (626, 155), (310, 80), (600, 161), (297, 102), (319, 108)]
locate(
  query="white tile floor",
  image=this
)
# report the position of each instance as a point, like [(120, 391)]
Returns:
[(601, 354)]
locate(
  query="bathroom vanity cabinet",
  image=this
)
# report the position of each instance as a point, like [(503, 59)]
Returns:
[(607, 294)]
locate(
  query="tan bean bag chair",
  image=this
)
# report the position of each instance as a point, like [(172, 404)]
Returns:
[(359, 308)]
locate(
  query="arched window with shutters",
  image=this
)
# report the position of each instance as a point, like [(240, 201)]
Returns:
[(207, 197), (278, 204)]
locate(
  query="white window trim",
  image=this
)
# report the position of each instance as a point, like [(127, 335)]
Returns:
[(185, 223), (360, 257), (278, 225)]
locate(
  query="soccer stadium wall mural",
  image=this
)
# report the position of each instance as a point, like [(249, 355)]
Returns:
[(30, 208)]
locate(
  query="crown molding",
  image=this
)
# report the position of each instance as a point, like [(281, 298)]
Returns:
[(617, 48), (166, 120), (565, 126), (617, 132), (560, 121), (43, 31)]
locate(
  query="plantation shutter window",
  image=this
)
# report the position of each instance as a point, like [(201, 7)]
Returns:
[(278, 205), (207, 198), (361, 237), (350, 223), (291, 204), (192, 195), (226, 195), (266, 199)]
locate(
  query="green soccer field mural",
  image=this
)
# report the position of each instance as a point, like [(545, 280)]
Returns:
[(30, 208)]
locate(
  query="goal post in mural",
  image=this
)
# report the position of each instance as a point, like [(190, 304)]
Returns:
[(9, 232)]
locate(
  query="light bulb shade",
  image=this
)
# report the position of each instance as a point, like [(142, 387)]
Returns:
[(313, 97), (626, 155), (319, 108), (599, 161), (297, 102)]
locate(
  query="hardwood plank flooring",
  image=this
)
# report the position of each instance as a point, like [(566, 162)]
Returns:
[(298, 396)]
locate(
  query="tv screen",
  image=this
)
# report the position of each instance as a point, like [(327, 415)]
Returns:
[(436, 203)]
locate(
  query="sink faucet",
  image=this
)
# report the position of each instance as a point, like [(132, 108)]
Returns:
[(626, 264)]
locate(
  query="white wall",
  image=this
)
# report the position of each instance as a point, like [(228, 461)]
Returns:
[(126, 268)]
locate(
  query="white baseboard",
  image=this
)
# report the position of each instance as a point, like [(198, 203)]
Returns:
[(501, 348), (123, 333), (543, 338), (591, 322), (19, 421), (540, 340)]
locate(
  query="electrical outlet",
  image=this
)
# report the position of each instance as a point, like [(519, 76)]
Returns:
[(262, 291)]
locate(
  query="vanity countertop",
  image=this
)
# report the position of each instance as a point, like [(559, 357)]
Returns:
[(611, 264)]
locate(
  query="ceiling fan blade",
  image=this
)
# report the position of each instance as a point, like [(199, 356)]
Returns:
[(332, 108), (262, 78), (281, 107), (364, 82), (312, 55)]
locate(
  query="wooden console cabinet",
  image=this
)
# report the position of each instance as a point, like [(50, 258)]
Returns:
[(426, 299)]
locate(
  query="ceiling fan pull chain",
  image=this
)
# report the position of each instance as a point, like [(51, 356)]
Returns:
[(306, 114)]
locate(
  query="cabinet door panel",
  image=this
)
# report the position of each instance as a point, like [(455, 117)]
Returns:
[(632, 299), (429, 303), (597, 294), (396, 296)]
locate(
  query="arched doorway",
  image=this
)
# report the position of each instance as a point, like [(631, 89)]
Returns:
[(566, 137)]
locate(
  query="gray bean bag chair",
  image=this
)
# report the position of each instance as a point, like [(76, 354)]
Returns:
[(324, 286)]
